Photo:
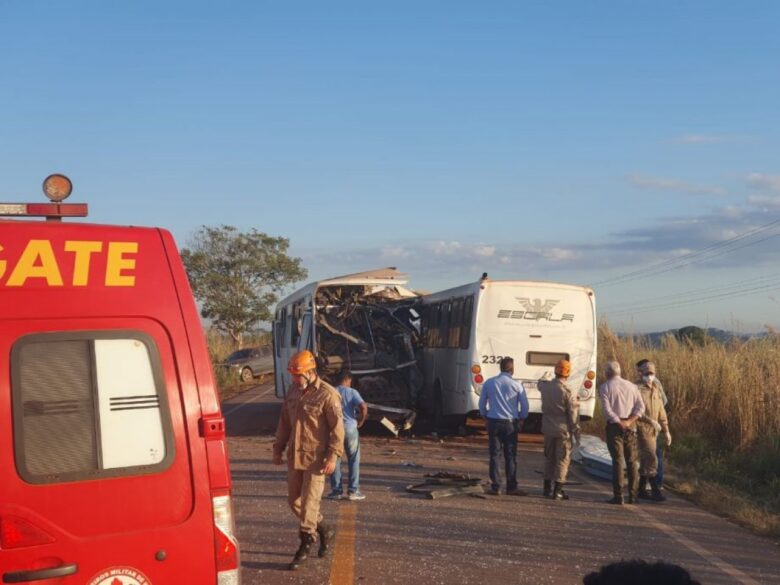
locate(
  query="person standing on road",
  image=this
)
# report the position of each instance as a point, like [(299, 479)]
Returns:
[(560, 426), (355, 412), (661, 439), (502, 402), (650, 424), (312, 431), (622, 406)]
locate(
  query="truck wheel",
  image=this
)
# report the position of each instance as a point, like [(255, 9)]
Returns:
[(247, 375)]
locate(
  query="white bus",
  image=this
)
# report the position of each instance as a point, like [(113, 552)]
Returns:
[(468, 329), (365, 322)]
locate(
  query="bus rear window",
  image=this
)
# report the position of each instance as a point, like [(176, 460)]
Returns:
[(544, 358)]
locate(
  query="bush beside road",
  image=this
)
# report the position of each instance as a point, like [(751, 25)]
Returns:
[(725, 420)]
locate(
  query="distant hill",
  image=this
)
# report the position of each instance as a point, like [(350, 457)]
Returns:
[(720, 335)]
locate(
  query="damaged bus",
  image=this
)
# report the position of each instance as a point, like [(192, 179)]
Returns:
[(468, 329), (365, 322)]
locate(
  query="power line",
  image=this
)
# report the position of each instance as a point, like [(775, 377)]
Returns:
[(736, 293), (766, 279), (707, 253)]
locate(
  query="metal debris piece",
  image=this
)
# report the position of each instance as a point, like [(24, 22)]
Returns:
[(444, 484)]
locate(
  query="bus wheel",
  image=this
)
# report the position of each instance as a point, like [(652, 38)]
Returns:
[(441, 422), (438, 411)]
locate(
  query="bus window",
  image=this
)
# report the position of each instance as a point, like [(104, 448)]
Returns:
[(465, 328), (544, 358), (283, 328), (305, 335), (444, 324), (434, 318), (297, 323), (456, 320)]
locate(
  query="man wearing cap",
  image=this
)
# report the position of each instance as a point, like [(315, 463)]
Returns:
[(560, 425), (312, 432), (622, 405), (502, 402), (652, 422)]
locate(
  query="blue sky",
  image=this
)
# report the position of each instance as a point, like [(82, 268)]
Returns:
[(568, 141)]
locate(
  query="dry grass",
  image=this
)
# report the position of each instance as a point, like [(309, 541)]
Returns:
[(724, 501), (728, 393), (220, 347), (725, 419)]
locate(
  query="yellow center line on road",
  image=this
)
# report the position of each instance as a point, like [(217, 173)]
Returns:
[(694, 547), (342, 570), (235, 408)]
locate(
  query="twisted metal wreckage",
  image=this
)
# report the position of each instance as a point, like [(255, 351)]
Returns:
[(374, 331)]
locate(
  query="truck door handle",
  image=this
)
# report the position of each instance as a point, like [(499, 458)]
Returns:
[(40, 574)]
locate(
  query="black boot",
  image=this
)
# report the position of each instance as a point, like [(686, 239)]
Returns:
[(547, 488), (303, 551), (642, 494), (327, 534), (655, 488), (558, 493)]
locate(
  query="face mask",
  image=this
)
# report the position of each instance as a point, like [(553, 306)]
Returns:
[(648, 378), (304, 381)]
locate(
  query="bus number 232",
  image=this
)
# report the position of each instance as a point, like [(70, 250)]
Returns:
[(491, 359)]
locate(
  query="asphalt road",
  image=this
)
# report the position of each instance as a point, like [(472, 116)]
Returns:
[(394, 537)]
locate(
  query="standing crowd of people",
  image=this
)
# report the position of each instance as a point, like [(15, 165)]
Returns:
[(319, 423), (637, 429)]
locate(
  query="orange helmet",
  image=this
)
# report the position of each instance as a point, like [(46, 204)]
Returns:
[(302, 362)]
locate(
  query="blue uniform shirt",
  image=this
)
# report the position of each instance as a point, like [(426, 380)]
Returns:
[(350, 400), (503, 398)]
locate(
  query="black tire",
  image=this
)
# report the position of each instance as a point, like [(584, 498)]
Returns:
[(443, 424), (247, 375), (439, 424)]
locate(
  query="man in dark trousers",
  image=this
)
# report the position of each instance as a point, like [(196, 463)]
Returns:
[(622, 405), (503, 403)]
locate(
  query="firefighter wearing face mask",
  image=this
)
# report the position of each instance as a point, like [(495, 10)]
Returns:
[(311, 429), (652, 422)]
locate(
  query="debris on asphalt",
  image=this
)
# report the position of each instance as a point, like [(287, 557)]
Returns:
[(444, 484)]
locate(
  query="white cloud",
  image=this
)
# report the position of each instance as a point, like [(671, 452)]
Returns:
[(764, 201), (443, 248), (395, 252), (484, 251), (677, 185), (559, 254), (764, 182), (711, 138), (703, 139)]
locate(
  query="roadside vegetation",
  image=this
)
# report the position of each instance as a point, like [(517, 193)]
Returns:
[(725, 419), (220, 347)]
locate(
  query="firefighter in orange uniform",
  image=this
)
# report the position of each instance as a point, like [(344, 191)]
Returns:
[(312, 431)]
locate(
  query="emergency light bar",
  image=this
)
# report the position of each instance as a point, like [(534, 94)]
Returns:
[(50, 210), (56, 187)]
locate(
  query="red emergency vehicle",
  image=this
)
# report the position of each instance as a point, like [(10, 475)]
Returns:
[(113, 458)]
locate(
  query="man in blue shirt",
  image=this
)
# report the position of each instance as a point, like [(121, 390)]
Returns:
[(502, 402), (355, 413)]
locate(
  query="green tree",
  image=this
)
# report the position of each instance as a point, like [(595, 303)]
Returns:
[(237, 276), (691, 334)]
